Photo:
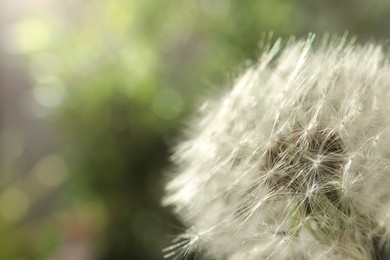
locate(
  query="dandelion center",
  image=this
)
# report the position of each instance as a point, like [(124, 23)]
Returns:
[(299, 160)]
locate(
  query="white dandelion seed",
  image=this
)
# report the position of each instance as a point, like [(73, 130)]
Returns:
[(293, 162)]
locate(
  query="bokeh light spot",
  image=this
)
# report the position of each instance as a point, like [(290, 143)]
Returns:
[(49, 92), (27, 36), (14, 204), (51, 170)]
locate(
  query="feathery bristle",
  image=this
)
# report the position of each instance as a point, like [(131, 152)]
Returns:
[(293, 162)]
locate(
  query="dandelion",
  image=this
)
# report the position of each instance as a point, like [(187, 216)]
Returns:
[(293, 162)]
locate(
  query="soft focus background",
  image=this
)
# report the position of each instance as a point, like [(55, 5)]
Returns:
[(93, 94)]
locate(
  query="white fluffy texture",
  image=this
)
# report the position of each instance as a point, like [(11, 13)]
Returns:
[(293, 163)]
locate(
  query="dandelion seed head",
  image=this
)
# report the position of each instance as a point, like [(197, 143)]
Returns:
[(293, 162)]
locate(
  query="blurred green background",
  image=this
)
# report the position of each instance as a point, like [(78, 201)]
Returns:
[(94, 93)]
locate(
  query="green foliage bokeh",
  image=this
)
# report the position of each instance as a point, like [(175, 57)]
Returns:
[(150, 60)]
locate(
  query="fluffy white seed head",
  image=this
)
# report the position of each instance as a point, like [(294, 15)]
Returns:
[(293, 162)]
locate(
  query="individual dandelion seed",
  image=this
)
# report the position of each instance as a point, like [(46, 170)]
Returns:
[(294, 161)]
